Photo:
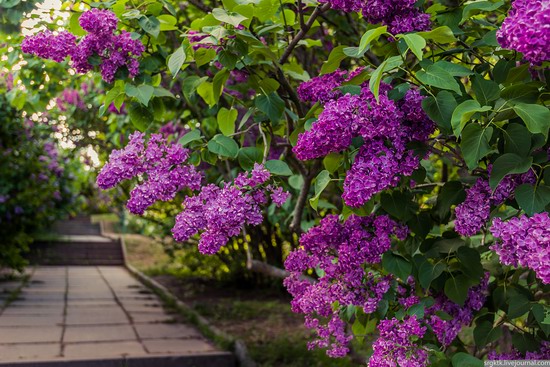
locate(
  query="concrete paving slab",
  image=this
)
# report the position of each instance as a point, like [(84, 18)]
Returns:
[(110, 349), (17, 352), (33, 334), (26, 320), (30, 311), (182, 346), (166, 331), (141, 318), (84, 317), (99, 333)]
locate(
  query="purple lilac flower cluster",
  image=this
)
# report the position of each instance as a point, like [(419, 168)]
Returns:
[(400, 16), (385, 126), (542, 354), (323, 88), (398, 344), (115, 50), (447, 330), (161, 162), (524, 241), (473, 213), (218, 213), (339, 252), (70, 97), (527, 30)]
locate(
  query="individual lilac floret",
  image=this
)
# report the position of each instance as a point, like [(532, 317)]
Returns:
[(398, 344), (339, 252), (376, 168), (527, 30), (447, 330), (49, 46), (524, 241)]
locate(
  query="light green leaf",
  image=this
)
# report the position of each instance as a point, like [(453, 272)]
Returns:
[(191, 136), (142, 93), (463, 113), (228, 17), (167, 22), (441, 34), (207, 93), (176, 60), (140, 116), (376, 78), (278, 167), (477, 6), (150, 25), (321, 182), (334, 59), (226, 120), (416, 44), (437, 76), (364, 44)]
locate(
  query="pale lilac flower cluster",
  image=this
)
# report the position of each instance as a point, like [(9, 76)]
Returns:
[(527, 30), (385, 126), (70, 97), (400, 16), (524, 241), (473, 213), (161, 165), (115, 51), (398, 344), (542, 354), (447, 330), (219, 213), (339, 252)]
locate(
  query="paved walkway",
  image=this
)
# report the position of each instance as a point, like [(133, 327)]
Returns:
[(100, 316)]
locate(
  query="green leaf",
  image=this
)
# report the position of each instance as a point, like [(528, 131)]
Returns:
[(396, 265), (470, 262), (452, 193), (176, 60), (226, 120), (332, 162), (167, 22), (162, 92), (376, 78), (462, 359), (218, 83), (248, 156), (518, 306), (436, 75), (204, 55), (321, 182), (397, 204), (142, 93), (517, 140), (520, 93), (278, 167), (463, 113), (228, 17), (74, 25), (334, 59), (485, 90), (440, 109), (140, 116), (416, 44), (508, 164), (456, 288), (477, 6), (441, 34), (150, 25), (428, 272), (191, 136), (272, 105), (536, 117), (475, 143), (485, 333), (206, 91), (364, 44), (532, 199), (223, 146)]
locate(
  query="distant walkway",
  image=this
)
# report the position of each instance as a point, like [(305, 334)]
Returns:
[(95, 316)]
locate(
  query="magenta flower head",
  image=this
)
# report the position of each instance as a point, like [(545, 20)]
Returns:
[(99, 21), (49, 46), (527, 30)]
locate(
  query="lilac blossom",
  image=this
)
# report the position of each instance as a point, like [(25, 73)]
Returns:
[(527, 30), (524, 241), (514, 355), (49, 46), (339, 252), (398, 344)]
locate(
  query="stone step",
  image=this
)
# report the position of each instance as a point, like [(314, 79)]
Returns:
[(107, 252)]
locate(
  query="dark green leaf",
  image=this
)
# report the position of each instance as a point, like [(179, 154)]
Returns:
[(486, 90), (223, 146), (485, 333), (140, 116), (475, 143), (532, 199), (520, 93), (536, 117), (334, 59), (248, 156), (396, 265), (272, 105), (428, 272), (517, 140), (508, 164), (440, 109), (437, 76), (452, 193), (470, 262), (456, 288)]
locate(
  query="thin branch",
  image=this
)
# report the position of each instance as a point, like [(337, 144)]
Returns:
[(295, 225), (200, 5), (303, 31)]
